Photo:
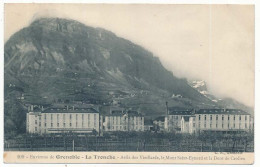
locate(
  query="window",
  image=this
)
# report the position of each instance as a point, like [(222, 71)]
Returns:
[(64, 117), (245, 117), (211, 117), (95, 121), (35, 128), (40, 124), (58, 124), (88, 120), (240, 117), (199, 117), (222, 125), (51, 124), (205, 117), (45, 116), (210, 125), (76, 116), (216, 125), (45, 124), (234, 117), (204, 125), (216, 117), (228, 117), (40, 118), (64, 124), (70, 124), (36, 122), (58, 117), (234, 126), (51, 116), (70, 116), (222, 117), (194, 125)]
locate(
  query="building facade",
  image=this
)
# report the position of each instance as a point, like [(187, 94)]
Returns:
[(174, 117), (62, 120), (222, 120), (191, 121), (188, 124), (123, 121), (159, 123)]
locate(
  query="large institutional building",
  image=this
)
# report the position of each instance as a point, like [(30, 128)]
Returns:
[(123, 121), (81, 120), (87, 120), (191, 121), (62, 120)]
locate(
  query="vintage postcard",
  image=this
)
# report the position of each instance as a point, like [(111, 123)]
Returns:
[(129, 83)]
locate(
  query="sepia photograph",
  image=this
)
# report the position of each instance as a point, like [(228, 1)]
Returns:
[(129, 83)]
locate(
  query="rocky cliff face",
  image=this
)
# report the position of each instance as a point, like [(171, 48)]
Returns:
[(64, 48)]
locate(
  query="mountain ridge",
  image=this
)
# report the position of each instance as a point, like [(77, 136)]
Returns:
[(60, 60)]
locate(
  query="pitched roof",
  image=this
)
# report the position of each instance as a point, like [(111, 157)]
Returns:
[(180, 112), (222, 111), (121, 113), (64, 110)]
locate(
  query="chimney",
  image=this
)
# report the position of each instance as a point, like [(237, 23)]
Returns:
[(42, 108), (72, 107), (31, 107), (67, 107)]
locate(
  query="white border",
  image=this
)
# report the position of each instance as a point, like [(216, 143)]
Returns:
[(257, 67)]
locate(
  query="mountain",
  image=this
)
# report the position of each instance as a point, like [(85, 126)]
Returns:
[(201, 87), (56, 60)]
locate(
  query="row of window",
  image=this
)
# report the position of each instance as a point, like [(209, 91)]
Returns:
[(117, 120), (234, 117), (125, 127), (64, 124), (70, 116), (222, 125), (222, 117)]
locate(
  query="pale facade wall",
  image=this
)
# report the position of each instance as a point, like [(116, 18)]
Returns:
[(222, 122), (173, 122), (161, 124), (188, 126), (218, 122), (53, 122), (124, 123)]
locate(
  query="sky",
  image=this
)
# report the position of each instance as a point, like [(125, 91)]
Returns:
[(214, 43)]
